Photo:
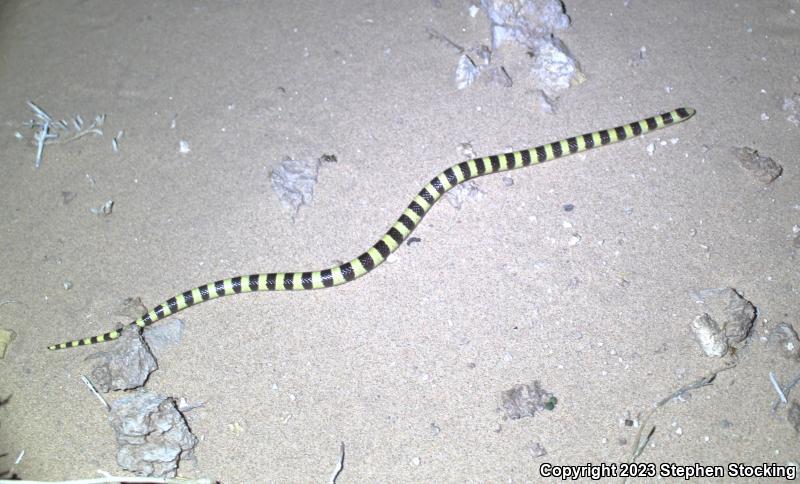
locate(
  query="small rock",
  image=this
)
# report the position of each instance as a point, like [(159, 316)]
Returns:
[(537, 450), (525, 400), (126, 366), (709, 336), (459, 194), (466, 72), (294, 181), (784, 338), (554, 67), (6, 337), (67, 197), (640, 58), (151, 434), (163, 335), (764, 168), (727, 320), (105, 209)]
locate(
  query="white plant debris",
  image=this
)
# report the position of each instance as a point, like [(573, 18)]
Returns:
[(94, 391), (339, 465), (778, 388), (115, 141), (47, 131), (104, 209)]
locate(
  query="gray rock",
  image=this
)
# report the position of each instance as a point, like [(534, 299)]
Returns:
[(524, 21), (126, 366), (525, 400), (294, 181), (764, 168), (709, 336), (151, 433), (163, 335), (784, 338), (727, 319)]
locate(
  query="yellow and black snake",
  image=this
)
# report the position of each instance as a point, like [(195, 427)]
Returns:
[(408, 221)]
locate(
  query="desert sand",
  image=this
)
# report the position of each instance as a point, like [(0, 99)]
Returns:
[(578, 275)]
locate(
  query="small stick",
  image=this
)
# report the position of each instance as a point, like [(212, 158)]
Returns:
[(40, 113), (115, 141), (641, 440), (339, 465), (96, 393), (41, 138), (791, 385), (434, 34), (642, 443), (777, 388)]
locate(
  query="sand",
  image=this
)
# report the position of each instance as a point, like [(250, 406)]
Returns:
[(405, 366)]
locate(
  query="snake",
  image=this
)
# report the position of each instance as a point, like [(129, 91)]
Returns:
[(399, 231)]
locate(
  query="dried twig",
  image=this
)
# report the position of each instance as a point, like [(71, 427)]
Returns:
[(89, 384), (783, 392), (434, 34), (777, 388), (642, 439), (45, 134), (339, 465)]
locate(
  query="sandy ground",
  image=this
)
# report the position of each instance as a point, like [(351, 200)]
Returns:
[(406, 365)]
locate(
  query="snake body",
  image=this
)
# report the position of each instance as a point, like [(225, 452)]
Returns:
[(402, 228)]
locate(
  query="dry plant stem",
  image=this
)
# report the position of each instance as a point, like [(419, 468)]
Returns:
[(641, 440), (339, 465)]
